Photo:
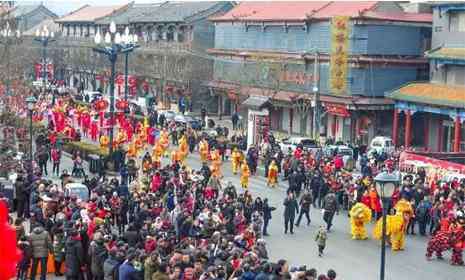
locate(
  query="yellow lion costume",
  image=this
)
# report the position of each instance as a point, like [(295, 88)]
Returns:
[(395, 231), (360, 215)]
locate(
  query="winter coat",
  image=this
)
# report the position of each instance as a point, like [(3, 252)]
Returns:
[(40, 242), (127, 272), (321, 237), (267, 211), (330, 203), (98, 253), (290, 208), (59, 247), (160, 276), (131, 237), (110, 268), (74, 257), (149, 268)]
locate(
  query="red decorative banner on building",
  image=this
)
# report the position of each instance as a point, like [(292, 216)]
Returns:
[(432, 166), (337, 110)]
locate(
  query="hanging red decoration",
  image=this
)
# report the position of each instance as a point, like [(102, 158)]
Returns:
[(101, 105), (122, 104)]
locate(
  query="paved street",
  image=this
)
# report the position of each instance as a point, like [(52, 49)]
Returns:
[(349, 258)]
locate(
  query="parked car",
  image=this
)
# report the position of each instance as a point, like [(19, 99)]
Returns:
[(77, 189), (382, 144), (293, 142), (169, 115), (186, 119)]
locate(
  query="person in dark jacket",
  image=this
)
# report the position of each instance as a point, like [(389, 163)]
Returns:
[(305, 202), (26, 254), (127, 271), (330, 207), (131, 236), (41, 245), (267, 209), (98, 254), (74, 256), (423, 214), (291, 208), (22, 196), (111, 265)]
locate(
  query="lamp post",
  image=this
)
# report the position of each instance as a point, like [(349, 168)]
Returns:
[(30, 101), (9, 37), (44, 37), (386, 183), (112, 45), (129, 41)]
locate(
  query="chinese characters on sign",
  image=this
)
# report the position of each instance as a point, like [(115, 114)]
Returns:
[(299, 78), (339, 54)]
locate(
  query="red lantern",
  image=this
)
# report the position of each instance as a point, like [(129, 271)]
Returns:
[(101, 105), (122, 105)]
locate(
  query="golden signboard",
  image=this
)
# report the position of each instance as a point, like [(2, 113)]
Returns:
[(339, 54)]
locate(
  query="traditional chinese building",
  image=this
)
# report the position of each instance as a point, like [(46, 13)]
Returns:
[(350, 53), (27, 16), (430, 115)]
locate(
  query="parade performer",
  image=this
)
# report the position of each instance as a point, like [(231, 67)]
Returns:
[(164, 141), (104, 141), (132, 153), (245, 174), (360, 215), (183, 148), (93, 130), (121, 137), (236, 158), (175, 157), (457, 233), (10, 255), (216, 163), (157, 153), (203, 150), (272, 174), (395, 230)]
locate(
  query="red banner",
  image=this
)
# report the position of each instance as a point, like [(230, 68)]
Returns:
[(337, 110), (408, 161)]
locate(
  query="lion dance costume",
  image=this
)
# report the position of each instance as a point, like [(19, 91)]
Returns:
[(395, 231), (452, 238), (245, 174), (273, 174), (360, 215), (203, 150)]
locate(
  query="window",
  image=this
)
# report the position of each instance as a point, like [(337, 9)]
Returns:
[(457, 22), (455, 75)]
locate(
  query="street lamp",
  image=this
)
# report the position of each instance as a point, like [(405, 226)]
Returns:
[(44, 37), (112, 45), (129, 42), (386, 184), (9, 37), (30, 101)]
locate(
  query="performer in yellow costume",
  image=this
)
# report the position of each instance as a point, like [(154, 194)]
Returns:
[(236, 158), (245, 174), (273, 174), (216, 163), (203, 150), (164, 141), (175, 156), (183, 148), (132, 153), (395, 231), (104, 141), (360, 215), (121, 137), (157, 153)]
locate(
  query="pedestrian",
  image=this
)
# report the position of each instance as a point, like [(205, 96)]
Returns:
[(235, 120), (74, 256), (127, 271), (98, 254), (22, 196), (267, 209), (330, 207), (42, 158), (56, 158), (41, 246), (290, 209), (26, 255), (58, 248), (423, 214), (320, 239), (305, 202)]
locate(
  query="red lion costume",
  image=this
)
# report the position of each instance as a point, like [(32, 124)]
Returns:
[(10, 254)]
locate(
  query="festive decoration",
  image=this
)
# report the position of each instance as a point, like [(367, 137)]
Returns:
[(122, 105), (10, 254), (101, 105), (339, 54)]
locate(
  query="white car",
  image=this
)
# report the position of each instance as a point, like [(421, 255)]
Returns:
[(77, 189), (382, 144), (293, 142)]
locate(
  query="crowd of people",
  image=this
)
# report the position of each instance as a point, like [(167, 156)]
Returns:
[(171, 221)]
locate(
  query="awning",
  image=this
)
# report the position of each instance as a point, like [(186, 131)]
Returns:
[(433, 94), (256, 102), (445, 53)]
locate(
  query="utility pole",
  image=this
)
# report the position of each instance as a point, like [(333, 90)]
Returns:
[(316, 93)]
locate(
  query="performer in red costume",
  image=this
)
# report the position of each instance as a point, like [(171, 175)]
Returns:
[(93, 130)]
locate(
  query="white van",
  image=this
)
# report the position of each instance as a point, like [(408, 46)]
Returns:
[(382, 144)]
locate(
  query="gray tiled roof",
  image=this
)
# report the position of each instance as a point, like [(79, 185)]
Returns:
[(22, 10), (132, 12), (174, 12)]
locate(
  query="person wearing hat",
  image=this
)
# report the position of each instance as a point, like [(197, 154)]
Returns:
[(74, 256)]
